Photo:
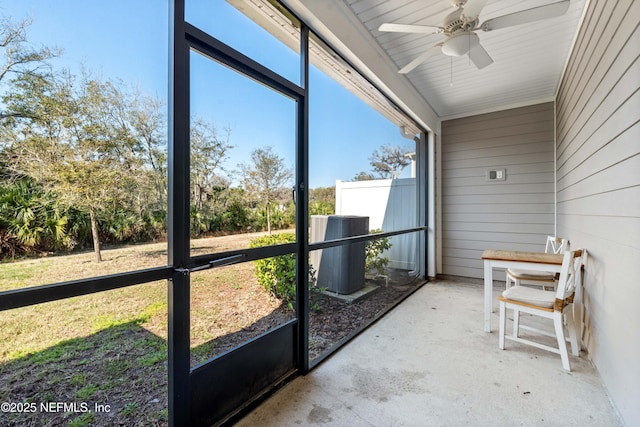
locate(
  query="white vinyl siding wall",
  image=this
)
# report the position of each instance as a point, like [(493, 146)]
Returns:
[(517, 213), (598, 190)]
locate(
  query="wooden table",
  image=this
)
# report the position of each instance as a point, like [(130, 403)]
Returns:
[(538, 261)]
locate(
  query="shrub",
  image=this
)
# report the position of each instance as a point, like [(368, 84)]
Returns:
[(278, 274), (199, 223), (31, 219), (236, 217), (374, 262)]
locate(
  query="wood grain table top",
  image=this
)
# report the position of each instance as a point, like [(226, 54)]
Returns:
[(523, 256)]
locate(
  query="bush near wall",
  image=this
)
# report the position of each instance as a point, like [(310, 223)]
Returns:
[(277, 274), (374, 262)]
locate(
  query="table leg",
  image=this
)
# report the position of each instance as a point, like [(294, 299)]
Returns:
[(488, 294)]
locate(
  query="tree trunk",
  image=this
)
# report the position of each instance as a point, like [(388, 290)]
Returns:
[(269, 219), (94, 234)]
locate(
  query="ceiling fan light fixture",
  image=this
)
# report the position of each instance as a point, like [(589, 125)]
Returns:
[(460, 44)]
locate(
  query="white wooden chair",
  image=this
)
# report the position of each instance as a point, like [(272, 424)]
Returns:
[(554, 245), (555, 305)]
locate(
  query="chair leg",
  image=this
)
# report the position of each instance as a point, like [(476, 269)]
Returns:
[(516, 322), (573, 337), (562, 344), (503, 324)]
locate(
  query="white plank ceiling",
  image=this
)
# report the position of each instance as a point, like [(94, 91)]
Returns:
[(529, 59)]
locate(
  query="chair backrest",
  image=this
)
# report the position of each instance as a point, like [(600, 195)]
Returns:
[(570, 274), (556, 245)]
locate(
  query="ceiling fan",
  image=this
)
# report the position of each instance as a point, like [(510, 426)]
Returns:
[(460, 25)]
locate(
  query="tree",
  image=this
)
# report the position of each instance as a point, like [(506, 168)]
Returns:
[(266, 178), (322, 201), (148, 123), (390, 161), (19, 58), (75, 139), (95, 147), (208, 149), (364, 176)]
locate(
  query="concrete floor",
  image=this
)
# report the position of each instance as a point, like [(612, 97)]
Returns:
[(429, 363)]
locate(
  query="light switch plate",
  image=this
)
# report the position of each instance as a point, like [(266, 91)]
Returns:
[(496, 175)]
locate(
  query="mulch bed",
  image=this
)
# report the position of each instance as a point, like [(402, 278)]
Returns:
[(331, 319)]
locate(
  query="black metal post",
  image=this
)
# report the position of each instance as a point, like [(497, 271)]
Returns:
[(422, 168), (302, 207), (178, 219)]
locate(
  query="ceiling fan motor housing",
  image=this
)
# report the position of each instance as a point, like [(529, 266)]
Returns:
[(456, 21), (453, 21)]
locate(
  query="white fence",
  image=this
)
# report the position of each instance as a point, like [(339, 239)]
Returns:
[(390, 205)]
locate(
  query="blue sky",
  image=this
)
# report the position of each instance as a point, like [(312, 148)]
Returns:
[(128, 39)]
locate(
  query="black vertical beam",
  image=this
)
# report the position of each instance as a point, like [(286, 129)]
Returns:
[(178, 218), (422, 200), (422, 168), (302, 208)]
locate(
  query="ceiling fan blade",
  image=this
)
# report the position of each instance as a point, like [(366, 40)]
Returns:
[(472, 9), (405, 28), (530, 15), (433, 50), (480, 57)]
